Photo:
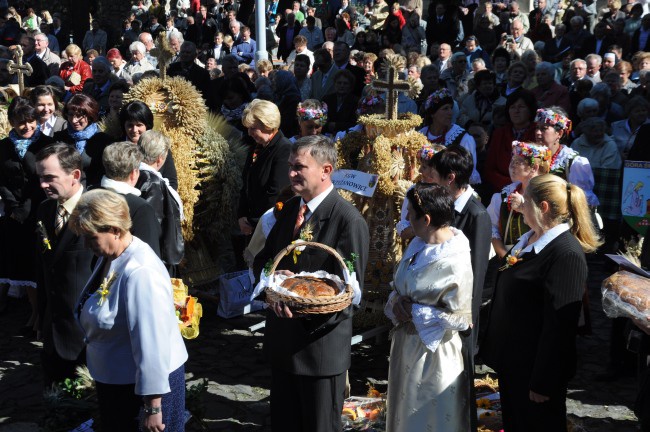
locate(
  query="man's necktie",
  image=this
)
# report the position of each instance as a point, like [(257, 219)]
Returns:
[(61, 219), (299, 220)]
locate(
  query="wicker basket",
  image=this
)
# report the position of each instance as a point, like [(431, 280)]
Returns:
[(302, 305)]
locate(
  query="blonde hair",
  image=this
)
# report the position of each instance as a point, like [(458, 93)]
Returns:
[(98, 211), (263, 112), (566, 203), (73, 50), (263, 66)]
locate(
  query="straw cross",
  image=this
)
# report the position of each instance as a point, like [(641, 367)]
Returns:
[(392, 86), (19, 68)]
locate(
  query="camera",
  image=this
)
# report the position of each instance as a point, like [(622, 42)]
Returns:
[(509, 39)]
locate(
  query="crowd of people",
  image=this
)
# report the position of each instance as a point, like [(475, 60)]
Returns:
[(529, 118)]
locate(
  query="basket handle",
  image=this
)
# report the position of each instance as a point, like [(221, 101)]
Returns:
[(284, 252)]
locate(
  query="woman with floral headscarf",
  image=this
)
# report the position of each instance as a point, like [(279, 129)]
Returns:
[(20, 195), (528, 161), (552, 125), (312, 116), (441, 130), (286, 96)]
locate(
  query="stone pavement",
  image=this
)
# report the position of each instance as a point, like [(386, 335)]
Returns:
[(229, 356)]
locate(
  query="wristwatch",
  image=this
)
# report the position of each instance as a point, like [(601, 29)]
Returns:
[(152, 410)]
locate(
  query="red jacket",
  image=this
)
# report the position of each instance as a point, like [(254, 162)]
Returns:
[(81, 67), (499, 153)]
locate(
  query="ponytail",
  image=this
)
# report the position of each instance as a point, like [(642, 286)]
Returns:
[(567, 203), (582, 226)]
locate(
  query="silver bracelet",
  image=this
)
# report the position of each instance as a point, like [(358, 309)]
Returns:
[(152, 410)]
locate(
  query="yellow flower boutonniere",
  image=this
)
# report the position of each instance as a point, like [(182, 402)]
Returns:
[(104, 290), (511, 260), (306, 235), (47, 245)]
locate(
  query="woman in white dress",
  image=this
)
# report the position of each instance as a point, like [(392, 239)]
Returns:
[(440, 129), (431, 303)]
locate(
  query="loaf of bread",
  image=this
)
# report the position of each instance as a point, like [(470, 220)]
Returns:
[(632, 289), (310, 287)]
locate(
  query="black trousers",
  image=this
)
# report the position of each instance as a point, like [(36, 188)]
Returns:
[(520, 414), (57, 369), (305, 403)]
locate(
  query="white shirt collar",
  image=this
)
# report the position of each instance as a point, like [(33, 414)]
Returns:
[(47, 127), (461, 201), (541, 242), (313, 204)]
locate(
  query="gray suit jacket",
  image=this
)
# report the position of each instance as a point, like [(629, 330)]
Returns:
[(320, 89), (52, 61)]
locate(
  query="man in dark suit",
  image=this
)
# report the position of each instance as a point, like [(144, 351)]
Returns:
[(208, 25), (453, 168), (443, 26), (121, 162), (286, 33), (40, 70), (342, 61), (218, 50), (310, 355), (65, 264), (62, 34), (188, 69), (556, 48), (638, 36), (599, 42)]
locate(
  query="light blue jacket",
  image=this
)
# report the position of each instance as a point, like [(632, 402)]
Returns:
[(133, 336)]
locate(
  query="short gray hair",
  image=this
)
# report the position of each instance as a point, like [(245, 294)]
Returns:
[(153, 145), (320, 147), (120, 159), (138, 46), (596, 57)]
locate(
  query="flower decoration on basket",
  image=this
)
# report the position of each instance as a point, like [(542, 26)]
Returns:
[(319, 115), (47, 245), (511, 260), (104, 289), (188, 310), (483, 403), (306, 235), (531, 151), (349, 263), (549, 117), (438, 96)]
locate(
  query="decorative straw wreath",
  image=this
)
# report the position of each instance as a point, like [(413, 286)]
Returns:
[(302, 305)]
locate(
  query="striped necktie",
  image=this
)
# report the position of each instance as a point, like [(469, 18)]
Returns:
[(61, 219), (299, 220)]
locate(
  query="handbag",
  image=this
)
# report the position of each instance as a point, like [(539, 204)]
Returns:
[(236, 295)]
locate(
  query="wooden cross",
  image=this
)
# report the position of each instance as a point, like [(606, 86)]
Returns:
[(19, 68), (392, 86), (164, 53)]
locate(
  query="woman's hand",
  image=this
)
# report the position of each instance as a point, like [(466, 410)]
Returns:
[(244, 226), (516, 200), (152, 422), (536, 397), (402, 309)]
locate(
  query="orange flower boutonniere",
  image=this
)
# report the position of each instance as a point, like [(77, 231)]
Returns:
[(511, 260)]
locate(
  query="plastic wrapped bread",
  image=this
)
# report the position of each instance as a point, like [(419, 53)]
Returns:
[(626, 294)]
